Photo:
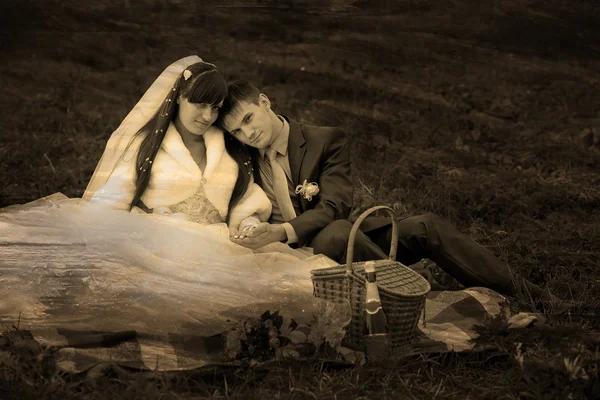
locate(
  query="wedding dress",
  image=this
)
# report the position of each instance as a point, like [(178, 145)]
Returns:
[(67, 263)]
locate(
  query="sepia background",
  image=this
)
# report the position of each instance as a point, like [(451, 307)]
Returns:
[(486, 113)]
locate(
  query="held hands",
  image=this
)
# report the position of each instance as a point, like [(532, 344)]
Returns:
[(259, 236), (246, 226)]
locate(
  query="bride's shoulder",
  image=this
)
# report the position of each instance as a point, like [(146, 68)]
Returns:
[(213, 137)]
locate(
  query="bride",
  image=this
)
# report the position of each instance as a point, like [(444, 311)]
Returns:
[(147, 247), (166, 155)]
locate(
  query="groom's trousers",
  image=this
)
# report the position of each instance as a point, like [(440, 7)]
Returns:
[(422, 236)]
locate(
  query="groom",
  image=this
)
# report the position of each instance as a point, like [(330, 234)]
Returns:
[(291, 155)]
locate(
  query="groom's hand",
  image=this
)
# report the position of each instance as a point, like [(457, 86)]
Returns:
[(262, 235)]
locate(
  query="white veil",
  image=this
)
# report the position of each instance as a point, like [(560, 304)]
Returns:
[(143, 111)]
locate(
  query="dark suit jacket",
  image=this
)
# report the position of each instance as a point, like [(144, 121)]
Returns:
[(321, 154)]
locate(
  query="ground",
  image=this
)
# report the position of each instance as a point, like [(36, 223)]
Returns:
[(487, 115)]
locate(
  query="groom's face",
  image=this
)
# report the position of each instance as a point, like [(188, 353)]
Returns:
[(251, 123)]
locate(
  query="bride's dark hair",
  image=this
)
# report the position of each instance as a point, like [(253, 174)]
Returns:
[(207, 85)]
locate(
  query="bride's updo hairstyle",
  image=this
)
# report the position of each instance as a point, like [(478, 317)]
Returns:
[(204, 84)]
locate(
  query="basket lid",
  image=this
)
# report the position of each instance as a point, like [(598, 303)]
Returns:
[(392, 277), (395, 278)]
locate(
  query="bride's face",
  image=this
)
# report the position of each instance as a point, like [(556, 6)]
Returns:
[(196, 118)]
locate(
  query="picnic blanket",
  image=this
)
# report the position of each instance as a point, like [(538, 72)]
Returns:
[(447, 327), (152, 294)]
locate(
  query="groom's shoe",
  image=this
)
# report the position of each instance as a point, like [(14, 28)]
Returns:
[(546, 301), (559, 307), (535, 296)]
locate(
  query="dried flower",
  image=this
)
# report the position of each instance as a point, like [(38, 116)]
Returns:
[(308, 190), (331, 321)]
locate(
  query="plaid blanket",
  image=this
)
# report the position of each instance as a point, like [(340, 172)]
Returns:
[(447, 326), (167, 329), (450, 317)]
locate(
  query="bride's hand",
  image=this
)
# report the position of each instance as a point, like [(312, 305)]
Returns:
[(247, 225), (245, 232), (262, 235), (256, 230)]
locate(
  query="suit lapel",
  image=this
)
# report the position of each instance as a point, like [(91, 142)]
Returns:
[(296, 150)]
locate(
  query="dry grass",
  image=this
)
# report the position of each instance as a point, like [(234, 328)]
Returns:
[(545, 362), (487, 116)]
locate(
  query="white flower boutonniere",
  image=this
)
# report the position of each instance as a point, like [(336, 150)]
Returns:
[(308, 190)]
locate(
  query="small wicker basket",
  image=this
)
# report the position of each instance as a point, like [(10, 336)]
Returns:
[(401, 289)]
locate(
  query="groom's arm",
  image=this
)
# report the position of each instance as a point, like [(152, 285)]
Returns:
[(333, 202), (335, 188)]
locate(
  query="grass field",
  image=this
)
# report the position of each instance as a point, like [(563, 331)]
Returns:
[(487, 115)]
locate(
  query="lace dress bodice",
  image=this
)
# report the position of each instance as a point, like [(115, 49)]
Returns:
[(198, 208)]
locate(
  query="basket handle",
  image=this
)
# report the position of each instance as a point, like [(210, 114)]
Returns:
[(359, 220)]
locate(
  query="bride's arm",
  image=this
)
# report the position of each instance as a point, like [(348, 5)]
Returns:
[(254, 203)]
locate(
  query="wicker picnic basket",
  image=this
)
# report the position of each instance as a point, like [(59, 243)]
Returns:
[(401, 289)]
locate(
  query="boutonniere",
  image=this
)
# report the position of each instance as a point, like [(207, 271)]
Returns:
[(308, 190)]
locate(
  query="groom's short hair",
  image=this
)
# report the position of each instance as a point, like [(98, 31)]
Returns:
[(238, 92)]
